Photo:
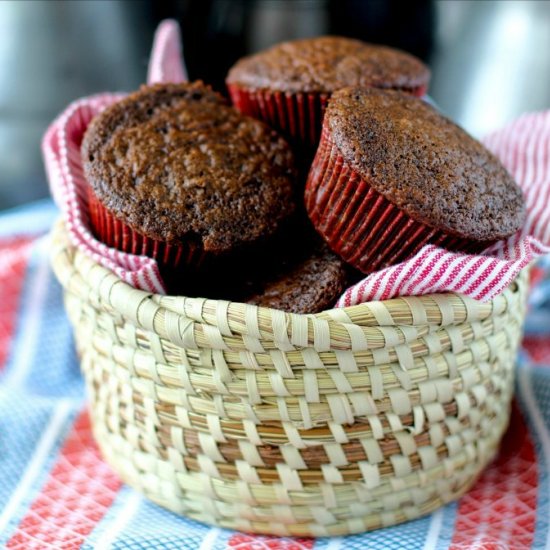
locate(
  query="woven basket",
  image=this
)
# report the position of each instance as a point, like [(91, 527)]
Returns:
[(259, 420)]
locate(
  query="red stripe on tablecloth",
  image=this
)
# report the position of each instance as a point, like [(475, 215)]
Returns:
[(500, 510), (241, 541), (14, 257), (536, 275), (538, 349), (77, 494)]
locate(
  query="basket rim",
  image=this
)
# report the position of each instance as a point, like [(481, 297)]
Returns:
[(401, 314)]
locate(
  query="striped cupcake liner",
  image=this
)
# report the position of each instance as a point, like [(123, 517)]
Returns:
[(360, 224), (120, 236), (297, 116)]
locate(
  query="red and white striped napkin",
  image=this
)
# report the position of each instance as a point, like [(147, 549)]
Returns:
[(523, 147)]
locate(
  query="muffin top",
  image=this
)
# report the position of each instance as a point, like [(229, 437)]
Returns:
[(175, 162), (424, 163), (310, 285), (326, 64)]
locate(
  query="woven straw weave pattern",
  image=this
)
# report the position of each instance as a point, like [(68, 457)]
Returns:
[(268, 422)]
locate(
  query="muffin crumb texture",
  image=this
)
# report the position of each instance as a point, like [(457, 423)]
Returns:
[(424, 163), (176, 163), (310, 286), (328, 63)]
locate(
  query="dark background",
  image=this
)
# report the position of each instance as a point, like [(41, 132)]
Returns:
[(490, 59)]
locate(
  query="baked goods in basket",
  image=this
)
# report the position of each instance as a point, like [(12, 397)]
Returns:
[(257, 419), (176, 174), (392, 174)]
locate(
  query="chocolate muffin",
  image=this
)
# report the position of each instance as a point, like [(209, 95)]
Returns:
[(289, 84), (177, 174), (310, 285), (294, 270), (392, 174)]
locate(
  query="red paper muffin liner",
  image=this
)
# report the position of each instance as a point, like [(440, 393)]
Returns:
[(360, 224), (117, 234), (297, 116)]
